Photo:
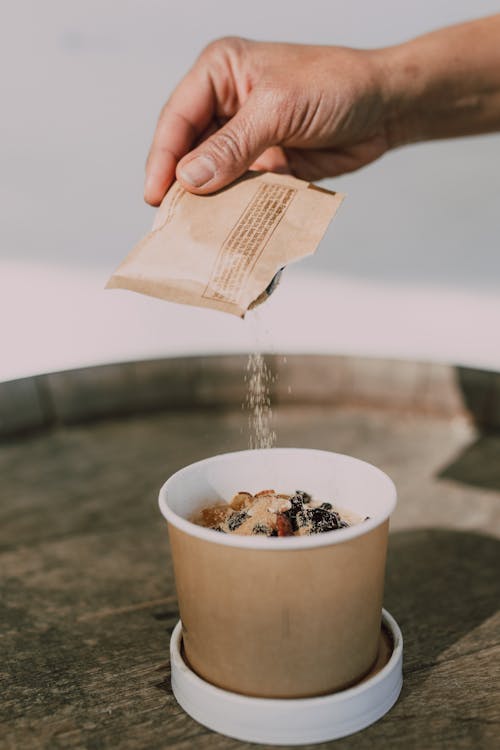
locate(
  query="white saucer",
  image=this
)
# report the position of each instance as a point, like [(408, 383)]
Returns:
[(292, 721)]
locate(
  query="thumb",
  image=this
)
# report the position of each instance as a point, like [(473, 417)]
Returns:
[(229, 152)]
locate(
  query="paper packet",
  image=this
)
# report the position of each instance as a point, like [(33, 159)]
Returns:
[(225, 250)]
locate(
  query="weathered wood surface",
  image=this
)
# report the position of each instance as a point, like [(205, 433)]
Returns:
[(87, 592)]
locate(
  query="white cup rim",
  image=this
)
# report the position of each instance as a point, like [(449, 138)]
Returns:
[(272, 543)]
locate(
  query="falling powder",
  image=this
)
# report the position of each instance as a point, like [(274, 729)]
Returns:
[(258, 402)]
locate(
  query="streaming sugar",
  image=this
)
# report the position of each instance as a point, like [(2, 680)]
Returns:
[(258, 402)]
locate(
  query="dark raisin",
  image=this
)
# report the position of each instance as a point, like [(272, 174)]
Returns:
[(274, 532), (326, 506), (297, 506), (301, 519), (236, 519), (261, 528), (322, 520), (304, 496), (291, 514), (293, 522)]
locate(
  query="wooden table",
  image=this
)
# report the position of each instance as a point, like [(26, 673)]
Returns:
[(88, 600)]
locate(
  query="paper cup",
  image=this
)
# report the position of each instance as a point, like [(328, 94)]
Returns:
[(282, 617)]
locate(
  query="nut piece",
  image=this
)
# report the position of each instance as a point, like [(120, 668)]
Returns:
[(214, 515), (241, 500)]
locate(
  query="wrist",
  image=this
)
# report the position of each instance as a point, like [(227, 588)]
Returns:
[(441, 85), (402, 85)]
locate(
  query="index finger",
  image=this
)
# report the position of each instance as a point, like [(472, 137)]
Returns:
[(183, 119)]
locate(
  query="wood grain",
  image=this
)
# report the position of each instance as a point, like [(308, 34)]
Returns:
[(88, 600)]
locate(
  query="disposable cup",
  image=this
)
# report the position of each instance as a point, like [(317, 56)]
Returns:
[(280, 617)]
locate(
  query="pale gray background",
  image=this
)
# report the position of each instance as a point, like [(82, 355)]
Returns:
[(82, 83)]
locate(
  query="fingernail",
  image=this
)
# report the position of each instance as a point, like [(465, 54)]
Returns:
[(198, 171)]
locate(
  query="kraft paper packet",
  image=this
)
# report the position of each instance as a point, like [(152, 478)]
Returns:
[(224, 250)]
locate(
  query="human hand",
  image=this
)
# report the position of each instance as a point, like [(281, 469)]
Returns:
[(306, 110)]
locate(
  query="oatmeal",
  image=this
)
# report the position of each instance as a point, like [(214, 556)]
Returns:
[(269, 513)]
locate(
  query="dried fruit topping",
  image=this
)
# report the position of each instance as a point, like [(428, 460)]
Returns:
[(301, 519), (241, 500), (296, 503), (322, 520), (283, 525), (296, 506), (304, 496), (261, 528), (271, 514), (236, 519)]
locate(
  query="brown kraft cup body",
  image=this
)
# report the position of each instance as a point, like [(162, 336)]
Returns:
[(280, 622)]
